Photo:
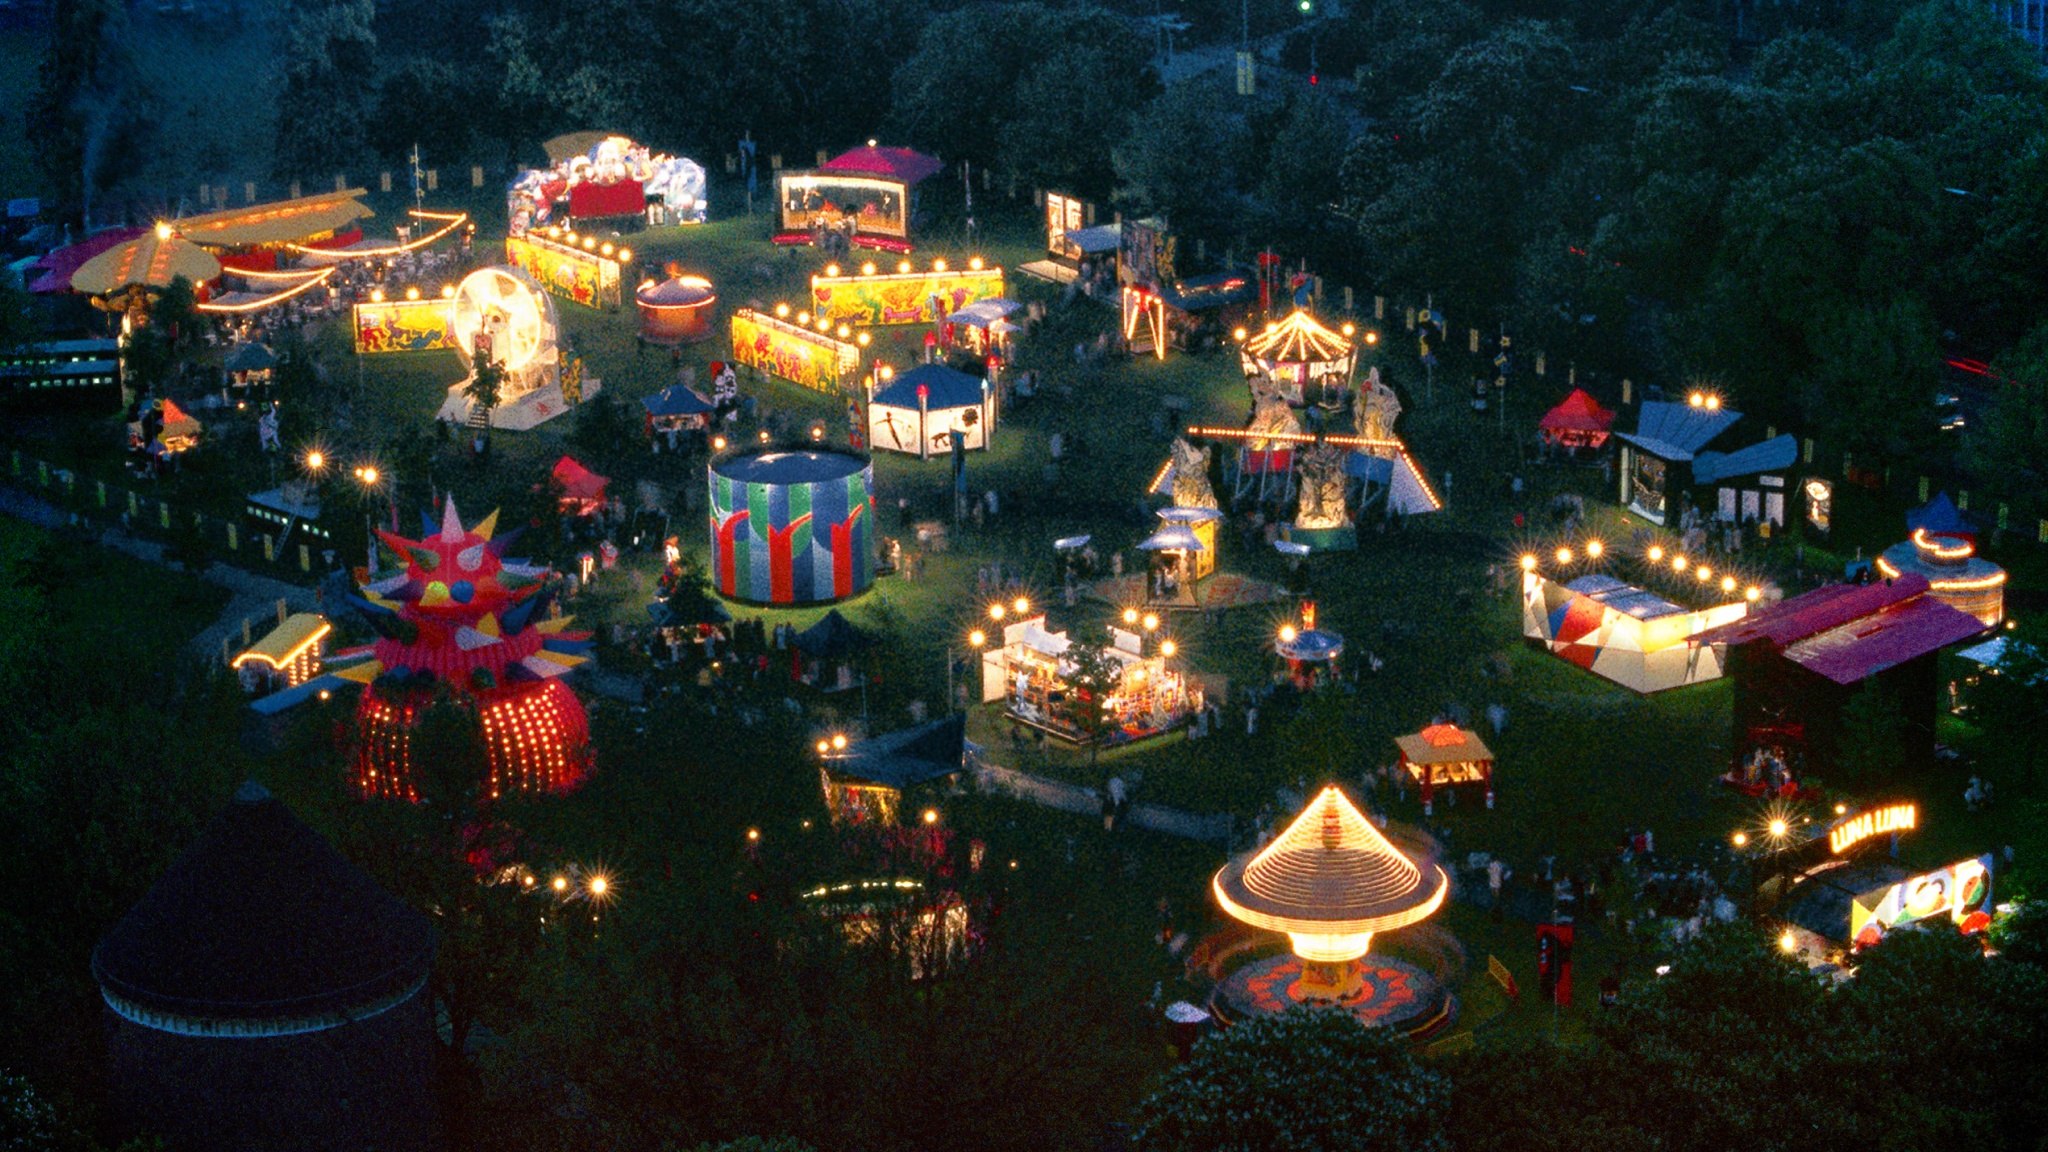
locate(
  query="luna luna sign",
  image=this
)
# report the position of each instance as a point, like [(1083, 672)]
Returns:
[(1876, 822)]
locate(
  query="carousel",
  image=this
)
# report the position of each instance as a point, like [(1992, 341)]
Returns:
[(1301, 361), (1331, 882)]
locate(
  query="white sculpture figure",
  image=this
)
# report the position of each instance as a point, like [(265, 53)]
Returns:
[(1374, 410), (1322, 487), (1191, 476)]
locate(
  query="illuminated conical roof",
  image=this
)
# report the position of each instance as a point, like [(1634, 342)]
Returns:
[(1330, 873), (1298, 339)]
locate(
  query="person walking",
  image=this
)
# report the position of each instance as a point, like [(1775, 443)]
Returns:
[(1496, 875)]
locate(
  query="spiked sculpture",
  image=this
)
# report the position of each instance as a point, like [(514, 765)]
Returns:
[(457, 613)]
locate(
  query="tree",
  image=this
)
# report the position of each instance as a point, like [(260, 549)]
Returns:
[(329, 99), (1735, 1038), (2008, 449), (1183, 158), (1307, 1080), (75, 87), (1095, 677), (485, 388)]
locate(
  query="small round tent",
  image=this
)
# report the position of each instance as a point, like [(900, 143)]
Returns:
[(918, 412)]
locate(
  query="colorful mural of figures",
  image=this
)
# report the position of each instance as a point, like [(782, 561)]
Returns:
[(587, 278), (878, 206), (792, 527), (405, 326), (779, 348), (910, 298)]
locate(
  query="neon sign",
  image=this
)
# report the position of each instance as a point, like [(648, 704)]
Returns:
[(1876, 822)]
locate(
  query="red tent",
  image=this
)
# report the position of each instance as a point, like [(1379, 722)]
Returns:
[(1577, 421), (58, 266), (582, 489), (894, 163)]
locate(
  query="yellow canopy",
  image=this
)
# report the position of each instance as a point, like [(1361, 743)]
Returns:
[(573, 144), (280, 223), (1298, 339), (151, 260), (288, 641)]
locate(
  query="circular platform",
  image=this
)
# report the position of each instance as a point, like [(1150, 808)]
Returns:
[(1381, 992)]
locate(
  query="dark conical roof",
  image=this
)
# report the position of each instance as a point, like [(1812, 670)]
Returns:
[(911, 756), (260, 918)]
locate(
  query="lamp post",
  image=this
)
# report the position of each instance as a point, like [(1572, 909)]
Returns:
[(368, 476)]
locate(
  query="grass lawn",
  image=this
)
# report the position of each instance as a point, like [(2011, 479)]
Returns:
[(1581, 759)]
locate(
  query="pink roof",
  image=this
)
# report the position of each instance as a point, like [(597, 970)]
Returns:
[(578, 482), (1846, 632), (60, 264), (1578, 412), (895, 163)]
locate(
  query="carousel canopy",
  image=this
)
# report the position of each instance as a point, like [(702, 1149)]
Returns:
[(261, 918), (570, 144), (895, 163), (1175, 514), (579, 483), (677, 400), (1298, 339), (945, 388), (283, 222), (1312, 645), (1443, 744), (58, 266), (151, 260), (678, 292), (1331, 872), (1941, 517), (1578, 414)]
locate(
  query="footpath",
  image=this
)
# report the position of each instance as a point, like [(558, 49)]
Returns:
[(1065, 797), (253, 597)]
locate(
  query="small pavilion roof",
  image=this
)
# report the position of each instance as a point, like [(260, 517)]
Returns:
[(1443, 744)]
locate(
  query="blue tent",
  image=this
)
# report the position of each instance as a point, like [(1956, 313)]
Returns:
[(1941, 517), (678, 400), (946, 387)]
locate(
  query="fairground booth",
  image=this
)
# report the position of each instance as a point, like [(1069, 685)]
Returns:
[(597, 178), (1309, 655), (1942, 547), (1447, 756), (792, 526), (1634, 631), (863, 198), (1300, 360), (1331, 882), (1181, 551), (1578, 422), (1161, 309), (580, 491), (1831, 890), (1797, 664), (828, 655), (286, 656), (1073, 241), (676, 310), (1030, 674), (675, 410), (1666, 464), (865, 779), (919, 411)]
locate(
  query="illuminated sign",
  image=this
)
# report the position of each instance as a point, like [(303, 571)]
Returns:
[(1876, 822), (1820, 503), (581, 277), (1960, 891), (876, 205), (779, 348), (906, 298), (405, 325)]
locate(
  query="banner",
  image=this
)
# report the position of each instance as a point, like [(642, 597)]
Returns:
[(779, 348), (405, 326), (1961, 892), (906, 298), (587, 278)]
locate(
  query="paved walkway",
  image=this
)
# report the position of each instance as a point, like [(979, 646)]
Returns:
[(1067, 797), (254, 597)]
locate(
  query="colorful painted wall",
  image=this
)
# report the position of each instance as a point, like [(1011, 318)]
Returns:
[(802, 542), (905, 298)]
